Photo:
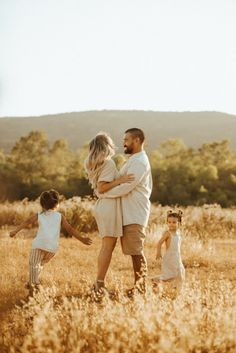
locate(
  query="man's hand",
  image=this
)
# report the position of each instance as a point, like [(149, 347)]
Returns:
[(158, 255)]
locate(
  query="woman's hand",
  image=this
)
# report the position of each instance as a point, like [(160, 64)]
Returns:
[(12, 233), (158, 255), (86, 240), (127, 178)]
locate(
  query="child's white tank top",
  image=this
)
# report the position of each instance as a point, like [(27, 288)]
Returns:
[(47, 237)]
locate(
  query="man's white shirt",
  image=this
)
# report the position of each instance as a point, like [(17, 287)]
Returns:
[(135, 195)]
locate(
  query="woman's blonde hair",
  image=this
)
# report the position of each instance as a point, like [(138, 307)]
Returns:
[(101, 148)]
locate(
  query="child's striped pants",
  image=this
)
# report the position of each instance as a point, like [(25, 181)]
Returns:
[(38, 258)]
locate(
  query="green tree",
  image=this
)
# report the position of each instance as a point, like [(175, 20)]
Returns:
[(59, 160), (29, 156), (181, 175), (28, 160), (78, 183)]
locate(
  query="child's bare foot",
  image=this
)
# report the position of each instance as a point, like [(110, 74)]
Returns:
[(33, 288), (28, 285)]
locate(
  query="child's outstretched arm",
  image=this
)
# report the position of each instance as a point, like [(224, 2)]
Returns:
[(104, 186), (23, 225), (72, 231), (164, 237)]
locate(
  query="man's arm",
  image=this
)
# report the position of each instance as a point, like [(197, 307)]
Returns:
[(138, 170), (104, 186)]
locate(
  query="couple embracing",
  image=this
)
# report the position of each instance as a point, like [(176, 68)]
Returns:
[(123, 206)]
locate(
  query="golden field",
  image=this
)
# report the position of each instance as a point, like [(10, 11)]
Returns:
[(66, 317)]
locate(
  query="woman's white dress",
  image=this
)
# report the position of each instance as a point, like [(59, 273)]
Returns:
[(107, 212)]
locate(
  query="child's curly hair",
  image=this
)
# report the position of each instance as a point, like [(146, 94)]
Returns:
[(176, 214), (49, 199)]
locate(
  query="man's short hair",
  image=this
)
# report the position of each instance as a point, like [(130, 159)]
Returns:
[(135, 132)]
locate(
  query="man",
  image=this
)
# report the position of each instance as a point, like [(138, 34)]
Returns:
[(135, 202)]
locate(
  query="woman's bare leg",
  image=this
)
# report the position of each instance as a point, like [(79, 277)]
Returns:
[(104, 258)]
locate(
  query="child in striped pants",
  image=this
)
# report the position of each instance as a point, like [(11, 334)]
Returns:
[(46, 242)]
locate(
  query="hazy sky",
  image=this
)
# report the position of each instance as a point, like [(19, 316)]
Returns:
[(73, 55)]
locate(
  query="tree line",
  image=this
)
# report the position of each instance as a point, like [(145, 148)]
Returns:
[(181, 175)]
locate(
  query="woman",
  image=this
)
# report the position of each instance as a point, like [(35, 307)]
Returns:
[(103, 176)]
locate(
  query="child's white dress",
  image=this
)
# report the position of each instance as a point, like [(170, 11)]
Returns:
[(172, 266), (47, 237)]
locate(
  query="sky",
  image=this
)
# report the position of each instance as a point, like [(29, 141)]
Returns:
[(75, 55)]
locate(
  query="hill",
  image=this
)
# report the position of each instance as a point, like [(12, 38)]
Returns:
[(194, 128)]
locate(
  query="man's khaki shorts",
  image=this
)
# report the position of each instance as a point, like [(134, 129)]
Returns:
[(132, 241)]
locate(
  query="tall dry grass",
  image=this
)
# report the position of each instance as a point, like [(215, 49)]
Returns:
[(65, 317), (77, 211), (208, 221)]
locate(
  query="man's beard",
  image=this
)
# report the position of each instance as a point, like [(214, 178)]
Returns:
[(128, 150)]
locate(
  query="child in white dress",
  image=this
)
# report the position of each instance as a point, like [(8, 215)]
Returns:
[(171, 267), (46, 242)]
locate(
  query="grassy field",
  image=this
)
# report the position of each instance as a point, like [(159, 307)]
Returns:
[(65, 316)]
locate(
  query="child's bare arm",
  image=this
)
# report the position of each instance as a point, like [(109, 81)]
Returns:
[(164, 237), (104, 186), (72, 231), (23, 225)]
